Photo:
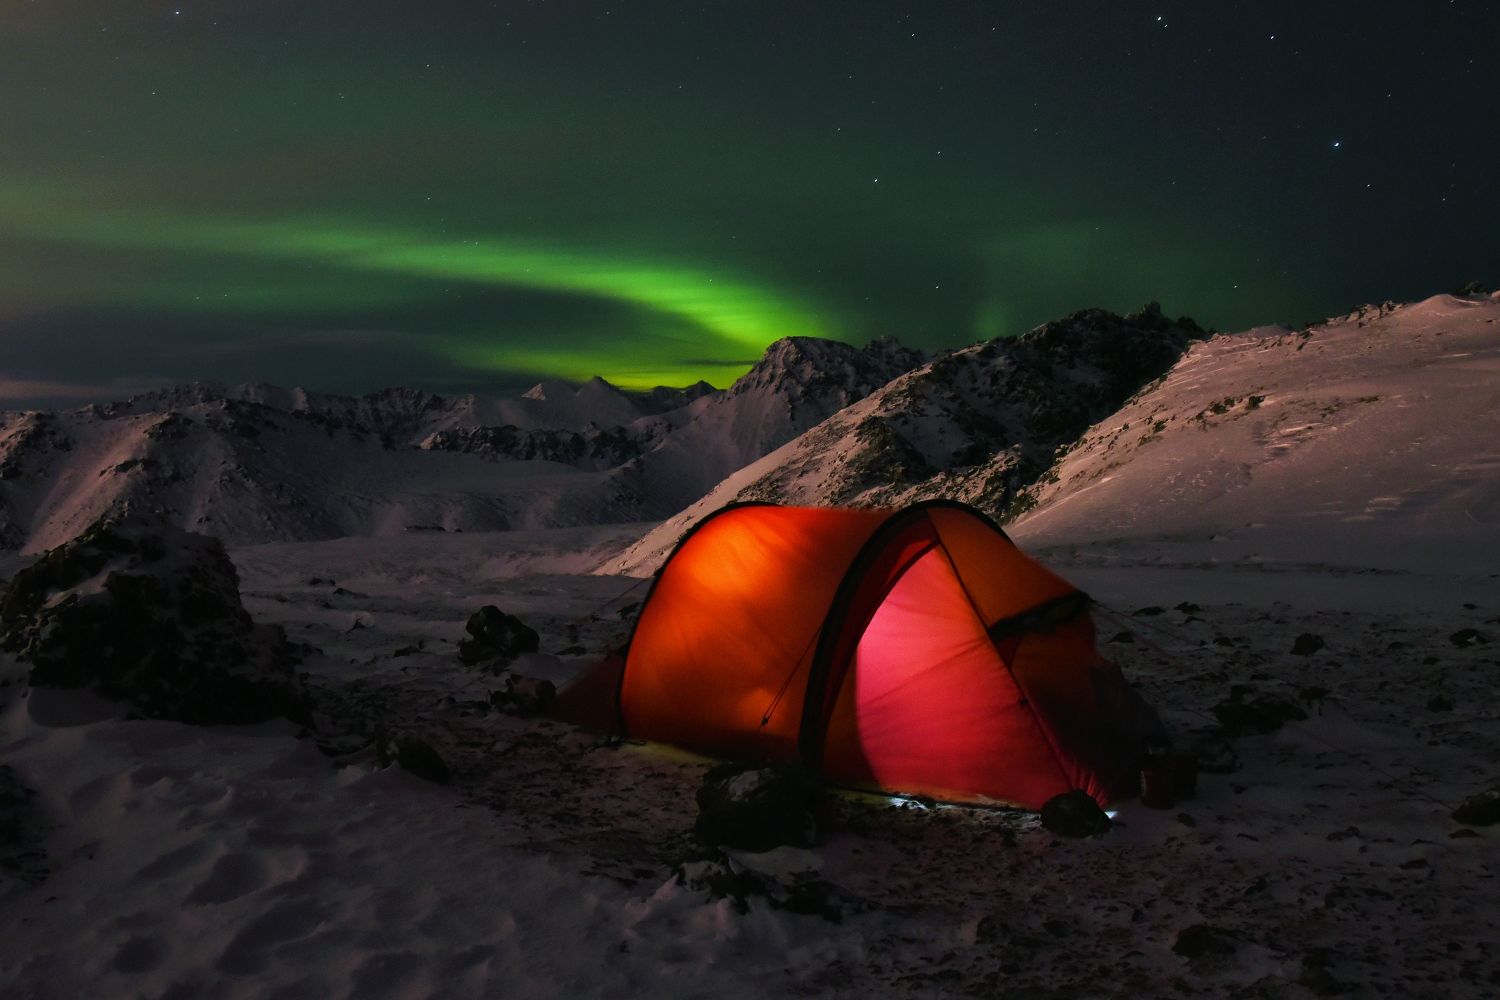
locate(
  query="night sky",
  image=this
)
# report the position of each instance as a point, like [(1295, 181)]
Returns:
[(469, 197)]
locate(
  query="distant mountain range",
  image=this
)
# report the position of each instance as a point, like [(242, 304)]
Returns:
[(1095, 415)]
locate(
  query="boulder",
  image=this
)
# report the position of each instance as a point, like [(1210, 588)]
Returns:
[(1200, 940), (1246, 712), (756, 807), (1074, 814), (496, 639), (1307, 644), (524, 695), (140, 611), (1482, 809)]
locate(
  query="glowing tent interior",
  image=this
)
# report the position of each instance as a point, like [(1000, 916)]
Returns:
[(914, 650)]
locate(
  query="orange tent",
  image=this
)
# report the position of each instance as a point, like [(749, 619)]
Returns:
[(913, 650)]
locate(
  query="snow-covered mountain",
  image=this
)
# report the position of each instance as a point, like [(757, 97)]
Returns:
[(259, 463), (1373, 438), (799, 382), (978, 424)]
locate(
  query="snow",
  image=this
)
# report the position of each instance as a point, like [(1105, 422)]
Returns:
[(243, 862)]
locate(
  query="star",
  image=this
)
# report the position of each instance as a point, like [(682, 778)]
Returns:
[(1338, 144)]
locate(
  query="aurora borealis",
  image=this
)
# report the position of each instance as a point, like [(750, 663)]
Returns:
[(471, 197)]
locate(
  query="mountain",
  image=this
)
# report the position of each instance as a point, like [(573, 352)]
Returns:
[(978, 424), (255, 463), (799, 382), (1373, 438)]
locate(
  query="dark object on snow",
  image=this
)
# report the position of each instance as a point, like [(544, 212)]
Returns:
[(23, 830), (1148, 612), (1074, 814), (1157, 786), (498, 638), (1469, 637), (414, 754), (1184, 767), (1307, 644), (756, 808), (1246, 713), (1482, 809), (1215, 754), (1187, 608), (1204, 939), (524, 696), (1124, 637), (141, 611)]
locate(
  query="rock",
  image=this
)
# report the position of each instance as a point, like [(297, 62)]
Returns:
[(1469, 637), (524, 695), (1203, 939), (1187, 608), (1246, 712), (1482, 809), (1316, 975), (140, 611), (22, 830), (1149, 612), (412, 753), (756, 808), (1215, 754), (1074, 814), (498, 638), (1307, 644), (1123, 637), (1439, 703)]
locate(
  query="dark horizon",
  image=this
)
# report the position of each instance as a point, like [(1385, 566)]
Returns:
[(347, 196)]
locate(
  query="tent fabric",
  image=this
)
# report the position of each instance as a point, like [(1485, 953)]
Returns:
[(914, 651)]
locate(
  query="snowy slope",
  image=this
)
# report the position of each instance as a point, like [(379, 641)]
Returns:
[(976, 425), (248, 472), (260, 463), (797, 383), (1372, 439), (165, 860)]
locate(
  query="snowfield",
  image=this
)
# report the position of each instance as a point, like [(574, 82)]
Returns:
[(156, 859)]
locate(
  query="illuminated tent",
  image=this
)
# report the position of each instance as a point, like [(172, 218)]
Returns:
[(913, 650)]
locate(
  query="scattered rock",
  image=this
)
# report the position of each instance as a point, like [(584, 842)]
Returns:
[(1074, 814), (756, 808), (1307, 644), (1316, 975), (497, 639), (1204, 939), (1246, 712), (140, 611), (21, 830), (1469, 637), (795, 892), (414, 754), (1216, 754), (524, 695), (1482, 809)]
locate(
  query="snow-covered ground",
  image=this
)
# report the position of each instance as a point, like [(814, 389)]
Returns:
[(1355, 501), (186, 861)]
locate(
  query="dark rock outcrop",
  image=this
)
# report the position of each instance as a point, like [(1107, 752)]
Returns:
[(1247, 713), (1074, 814), (496, 639), (143, 612), (756, 808), (1482, 809)]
